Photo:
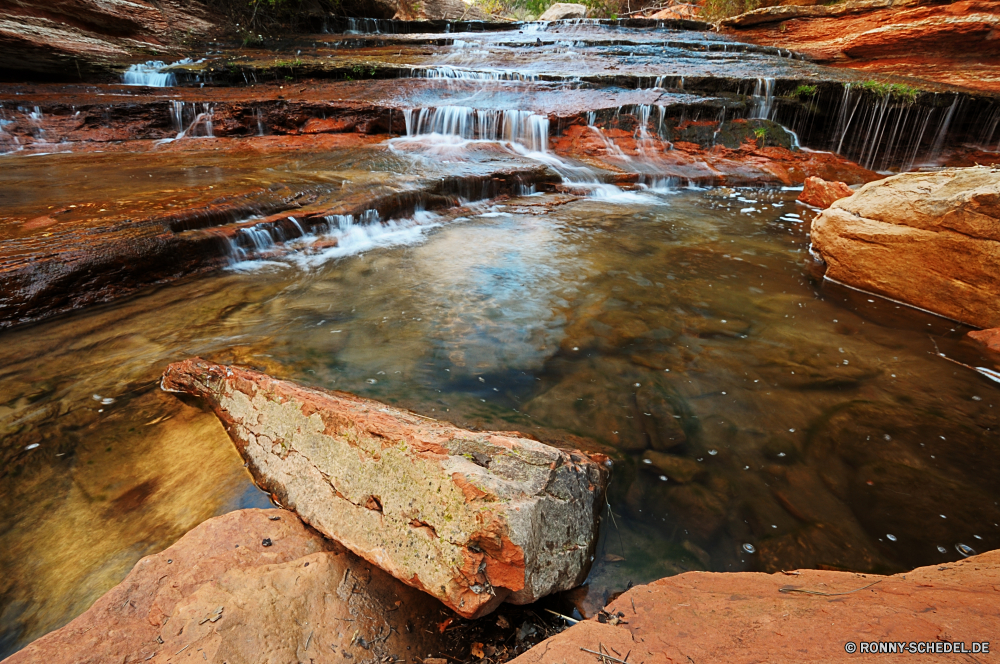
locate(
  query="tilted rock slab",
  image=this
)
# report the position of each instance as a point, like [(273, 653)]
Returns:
[(473, 518), (931, 240)]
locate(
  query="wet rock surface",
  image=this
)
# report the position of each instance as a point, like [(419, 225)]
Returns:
[(473, 519), (249, 586), (792, 616), (929, 240)]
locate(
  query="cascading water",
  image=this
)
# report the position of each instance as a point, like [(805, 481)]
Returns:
[(523, 128), (763, 99), (149, 74), (201, 115)]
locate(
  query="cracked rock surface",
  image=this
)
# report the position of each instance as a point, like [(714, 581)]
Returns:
[(472, 518)]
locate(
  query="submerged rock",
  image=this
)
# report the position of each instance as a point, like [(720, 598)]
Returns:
[(564, 10), (801, 616), (822, 194), (473, 518), (931, 240), (220, 591)]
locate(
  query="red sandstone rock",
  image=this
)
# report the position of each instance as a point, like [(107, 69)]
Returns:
[(222, 591), (750, 617), (953, 43), (473, 518), (931, 240), (822, 194), (73, 38), (988, 338), (715, 165)]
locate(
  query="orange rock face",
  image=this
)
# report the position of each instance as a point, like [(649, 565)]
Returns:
[(931, 240), (805, 616), (988, 338), (822, 194), (239, 585), (472, 518), (748, 162), (954, 44)]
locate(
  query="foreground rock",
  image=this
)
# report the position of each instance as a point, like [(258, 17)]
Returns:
[(249, 586), (822, 194), (473, 518), (806, 616), (564, 10), (931, 240)]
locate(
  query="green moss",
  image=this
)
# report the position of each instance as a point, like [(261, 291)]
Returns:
[(894, 91), (804, 91)]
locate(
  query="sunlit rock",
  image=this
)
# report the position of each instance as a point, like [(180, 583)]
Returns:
[(563, 10), (931, 240)]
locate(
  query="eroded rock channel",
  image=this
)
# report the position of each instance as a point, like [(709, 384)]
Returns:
[(557, 272)]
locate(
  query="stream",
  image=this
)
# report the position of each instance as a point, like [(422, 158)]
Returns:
[(451, 258)]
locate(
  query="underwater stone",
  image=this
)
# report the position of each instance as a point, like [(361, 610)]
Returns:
[(412, 495)]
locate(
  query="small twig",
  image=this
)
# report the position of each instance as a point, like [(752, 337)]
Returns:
[(820, 592), (571, 621), (989, 373), (615, 523), (601, 654), (182, 650)]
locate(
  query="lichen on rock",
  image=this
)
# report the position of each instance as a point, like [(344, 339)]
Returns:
[(473, 518)]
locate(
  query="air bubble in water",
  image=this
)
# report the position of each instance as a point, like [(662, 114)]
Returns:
[(965, 550), (371, 381), (892, 538), (713, 452), (749, 548), (941, 549)]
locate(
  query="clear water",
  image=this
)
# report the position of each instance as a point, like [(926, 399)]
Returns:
[(811, 423)]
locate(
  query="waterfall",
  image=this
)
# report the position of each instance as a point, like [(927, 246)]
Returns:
[(943, 128), (259, 115), (150, 75), (524, 128), (459, 74), (881, 133), (763, 99), (179, 110)]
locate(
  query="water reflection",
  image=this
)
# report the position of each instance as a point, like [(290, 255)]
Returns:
[(758, 420)]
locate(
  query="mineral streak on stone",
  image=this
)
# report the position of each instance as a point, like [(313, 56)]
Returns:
[(931, 240), (473, 518)]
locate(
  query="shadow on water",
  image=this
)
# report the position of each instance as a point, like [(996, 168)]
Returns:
[(759, 419)]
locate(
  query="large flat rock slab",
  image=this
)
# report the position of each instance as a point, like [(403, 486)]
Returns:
[(804, 616), (931, 240), (250, 586), (473, 518)]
